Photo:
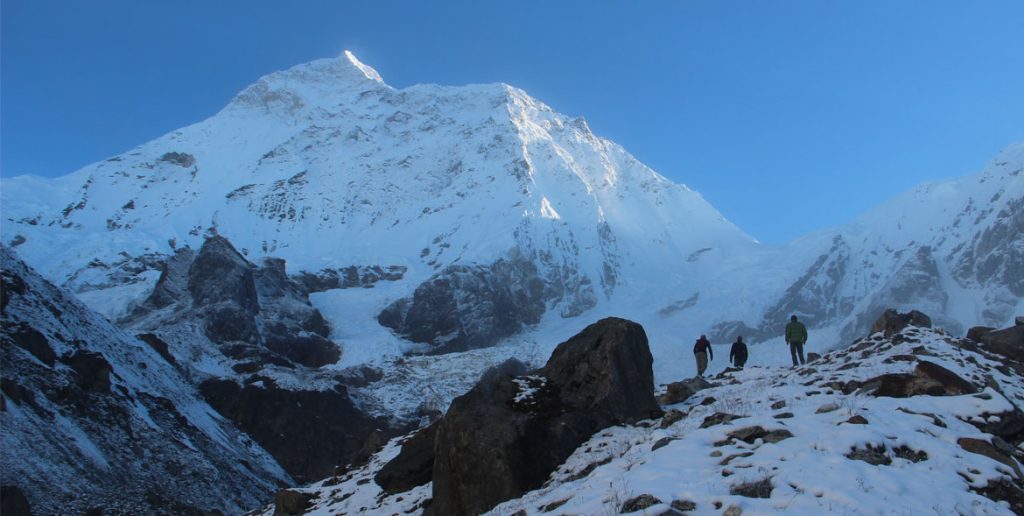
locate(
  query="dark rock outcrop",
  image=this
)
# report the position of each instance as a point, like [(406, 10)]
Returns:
[(927, 379), (141, 417), (470, 306), (892, 322), (308, 432), (678, 392), (975, 332), (349, 277), (288, 502), (1008, 342), (13, 502), (507, 434), (413, 466)]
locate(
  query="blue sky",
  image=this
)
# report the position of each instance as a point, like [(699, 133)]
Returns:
[(788, 116)]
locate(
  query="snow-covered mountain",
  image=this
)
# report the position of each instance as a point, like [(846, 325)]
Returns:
[(96, 419), (410, 238)]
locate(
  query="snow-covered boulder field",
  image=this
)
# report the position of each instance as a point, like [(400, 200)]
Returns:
[(905, 421)]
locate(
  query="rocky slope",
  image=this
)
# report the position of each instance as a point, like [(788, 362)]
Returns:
[(906, 420), (94, 419)]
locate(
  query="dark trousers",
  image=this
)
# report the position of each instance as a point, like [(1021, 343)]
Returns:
[(702, 362), (739, 361), (796, 350)]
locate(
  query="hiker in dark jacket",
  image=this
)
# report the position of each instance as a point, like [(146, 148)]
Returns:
[(796, 336), (738, 355), (702, 351)]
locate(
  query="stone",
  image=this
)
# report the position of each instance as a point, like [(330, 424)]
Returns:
[(471, 306), (756, 489), (892, 322), (732, 510), (683, 505), (488, 450), (874, 455), (31, 340), (413, 466), (976, 332), (1019, 320), (778, 404), (902, 385), (13, 502), (661, 443), (638, 503), (719, 418), (857, 420), (952, 384), (828, 407), (1007, 342), (159, 346), (92, 371), (678, 392), (284, 422), (288, 502), (671, 417), (985, 448), (783, 415), (811, 357)]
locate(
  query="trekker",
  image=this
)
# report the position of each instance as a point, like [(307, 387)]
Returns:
[(738, 355), (702, 351), (796, 336)]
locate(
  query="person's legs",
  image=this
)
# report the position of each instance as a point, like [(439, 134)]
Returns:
[(792, 353), (740, 362), (702, 363), (800, 351)]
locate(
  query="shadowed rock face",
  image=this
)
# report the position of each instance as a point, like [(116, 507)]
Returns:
[(68, 376), (506, 435), (470, 306), (308, 432), (892, 322)]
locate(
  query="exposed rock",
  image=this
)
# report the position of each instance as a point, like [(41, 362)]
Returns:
[(1004, 490), (811, 357), (638, 503), (976, 332), (349, 277), (733, 510), (159, 346), (987, 449), (661, 443), (287, 502), (951, 383), (857, 420), (678, 392), (829, 407), (902, 385), (719, 418), (30, 340), (413, 466), (13, 502), (671, 417), (470, 306), (308, 432), (757, 489), (874, 455), (683, 505), (751, 434), (488, 450), (219, 274), (1008, 342), (892, 322), (92, 371), (778, 404)]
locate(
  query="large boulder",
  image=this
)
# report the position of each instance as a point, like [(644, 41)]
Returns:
[(413, 466), (892, 322), (1008, 342), (506, 435)]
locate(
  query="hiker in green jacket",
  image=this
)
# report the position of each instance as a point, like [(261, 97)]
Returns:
[(796, 336)]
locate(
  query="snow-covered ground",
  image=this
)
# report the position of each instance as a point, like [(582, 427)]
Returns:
[(807, 464)]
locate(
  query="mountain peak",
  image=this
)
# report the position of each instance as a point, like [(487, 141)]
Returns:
[(367, 70)]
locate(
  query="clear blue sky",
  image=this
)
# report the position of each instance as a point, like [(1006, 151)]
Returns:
[(788, 116)]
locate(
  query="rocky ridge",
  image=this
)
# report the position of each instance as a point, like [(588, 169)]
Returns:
[(870, 428), (96, 420)]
